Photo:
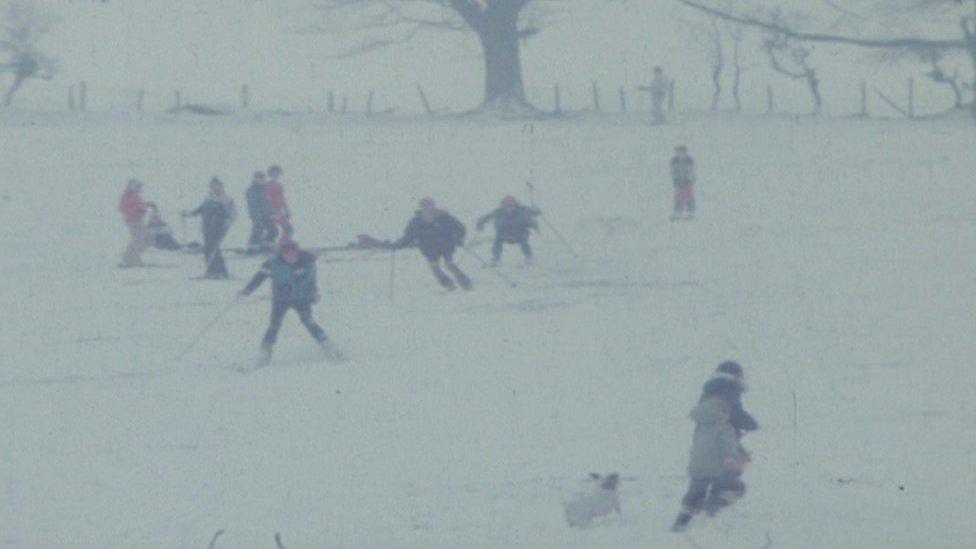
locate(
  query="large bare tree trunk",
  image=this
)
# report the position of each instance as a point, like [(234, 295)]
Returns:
[(499, 36)]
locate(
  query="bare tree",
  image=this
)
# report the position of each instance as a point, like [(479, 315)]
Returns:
[(714, 35), (23, 27), (500, 25), (777, 47), (736, 35), (962, 14)]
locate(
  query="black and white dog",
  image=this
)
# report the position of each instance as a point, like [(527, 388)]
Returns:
[(600, 502)]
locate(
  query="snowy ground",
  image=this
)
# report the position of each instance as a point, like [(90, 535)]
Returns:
[(833, 258)]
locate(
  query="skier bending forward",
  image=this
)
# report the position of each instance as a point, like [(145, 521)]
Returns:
[(512, 224), (293, 286), (437, 234)]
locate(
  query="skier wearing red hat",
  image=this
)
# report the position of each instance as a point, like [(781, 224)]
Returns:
[(513, 222), (437, 234)]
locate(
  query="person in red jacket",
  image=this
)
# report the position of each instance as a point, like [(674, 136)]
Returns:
[(279, 207), (134, 209)]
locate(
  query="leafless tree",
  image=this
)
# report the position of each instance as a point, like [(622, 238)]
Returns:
[(736, 35), (22, 27), (778, 47), (500, 25), (960, 14)]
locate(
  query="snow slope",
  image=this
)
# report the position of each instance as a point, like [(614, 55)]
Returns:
[(833, 258)]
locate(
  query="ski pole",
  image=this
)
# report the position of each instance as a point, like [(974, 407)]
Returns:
[(484, 263), (558, 234), (206, 329)]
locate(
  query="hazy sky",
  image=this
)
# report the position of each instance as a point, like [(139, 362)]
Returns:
[(208, 48)]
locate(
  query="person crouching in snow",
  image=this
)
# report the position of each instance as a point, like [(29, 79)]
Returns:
[(716, 463), (437, 234), (683, 175), (133, 209), (293, 286), (162, 235), (513, 222)]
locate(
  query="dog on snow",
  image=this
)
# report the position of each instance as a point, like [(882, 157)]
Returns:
[(600, 502)]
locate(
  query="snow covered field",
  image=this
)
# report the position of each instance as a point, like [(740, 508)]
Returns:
[(833, 258)]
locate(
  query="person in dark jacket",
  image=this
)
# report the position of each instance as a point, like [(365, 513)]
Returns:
[(727, 383), (513, 222), (264, 231), (437, 234), (293, 286), (217, 213), (162, 235), (683, 175)]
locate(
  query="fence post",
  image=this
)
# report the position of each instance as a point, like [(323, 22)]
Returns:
[(864, 99), (178, 98), (557, 100), (140, 98), (423, 99), (245, 97), (71, 98), (770, 106), (83, 95), (345, 104), (911, 98), (331, 106), (369, 105), (596, 97), (671, 96), (623, 100)]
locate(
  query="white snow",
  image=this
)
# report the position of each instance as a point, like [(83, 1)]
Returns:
[(833, 258)]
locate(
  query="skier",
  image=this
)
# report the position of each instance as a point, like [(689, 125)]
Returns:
[(263, 229), (293, 286), (279, 207), (133, 209), (724, 387), (217, 212), (683, 175), (437, 234), (161, 234), (512, 224), (659, 88)]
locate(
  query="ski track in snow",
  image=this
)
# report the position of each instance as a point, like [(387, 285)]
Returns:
[(820, 258)]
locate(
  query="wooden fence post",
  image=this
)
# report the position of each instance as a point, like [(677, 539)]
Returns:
[(71, 98), (245, 97), (596, 97), (911, 98), (423, 99), (556, 100), (345, 104), (671, 96), (83, 95), (369, 105), (140, 98), (178, 99), (623, 100), (331, 105), (770, 105)]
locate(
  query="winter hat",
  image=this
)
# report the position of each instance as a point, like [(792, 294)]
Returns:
[(133, 184), (730, 368), (510, 201), (274, 170), (258, 175), (427, 202)]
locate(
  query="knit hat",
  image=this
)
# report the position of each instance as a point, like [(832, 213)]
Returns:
[(274, 170), (730, 368), (510, 201), (427, 202)]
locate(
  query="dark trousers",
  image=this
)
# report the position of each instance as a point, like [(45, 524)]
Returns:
[(714, 493), (523, 242), (304, 310), (216, 268), (263, 232)]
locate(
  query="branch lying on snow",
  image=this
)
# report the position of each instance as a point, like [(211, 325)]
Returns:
[(913, 43), (213, 541)]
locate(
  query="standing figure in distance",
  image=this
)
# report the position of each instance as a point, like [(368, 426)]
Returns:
[(437, 234), (263, 230), (217, 212), (659, 88), (512, 224), (293, 286), (683, 175), (134, 209), (279, 207)]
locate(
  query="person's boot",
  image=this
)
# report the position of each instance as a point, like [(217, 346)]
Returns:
[(443, 279), (264, 358), (462, 278), (681, 523), (332, 353)]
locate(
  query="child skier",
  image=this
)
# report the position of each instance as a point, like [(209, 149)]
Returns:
[(161, 234), (279, 206), (683, 175), (437, 234), (512, 224), (217, 212), (293, 286), (717, 456), (133, 209), (263, 229)]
